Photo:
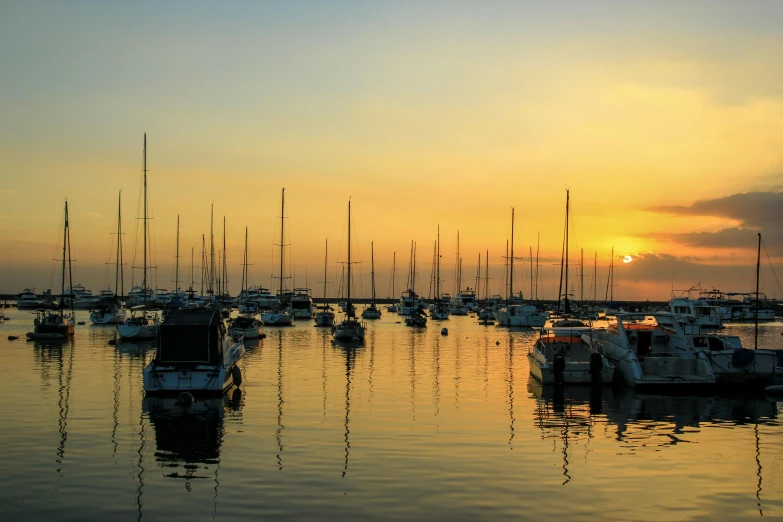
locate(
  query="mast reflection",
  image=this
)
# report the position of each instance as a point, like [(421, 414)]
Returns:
[(350, 352)]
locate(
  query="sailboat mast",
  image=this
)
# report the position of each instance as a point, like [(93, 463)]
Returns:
[(566, 307), (531, 273), (144, 283), (70, 270), (478, 278), (225, 269), (65, 245), (348, 284), (212, 251), (511, 266), (119, 280), (372, 269), (595, 278), (244, 271), (413, 269), (538, 246), (582, 277), (486, 276), (326, 258), (756, 308), (394, 271), (176, 271), (282, 231), (437, 268), (192, 258)]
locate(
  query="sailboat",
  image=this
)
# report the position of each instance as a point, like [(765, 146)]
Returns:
[(350, 329), (324, 315), (442, 306), (417, 316), (526, 315), (281, 316), (57, 324), (372, 311), (392, 308), (141, 324), (110, 309), (246, 323)]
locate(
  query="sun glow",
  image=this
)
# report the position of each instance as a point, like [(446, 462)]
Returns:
[(627, 259)]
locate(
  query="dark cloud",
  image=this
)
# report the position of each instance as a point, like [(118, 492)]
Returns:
[(755, 212)]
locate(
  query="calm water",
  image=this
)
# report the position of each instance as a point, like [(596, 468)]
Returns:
[(413, 425)]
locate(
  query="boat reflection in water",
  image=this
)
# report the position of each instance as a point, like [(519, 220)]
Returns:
[(188, 436)]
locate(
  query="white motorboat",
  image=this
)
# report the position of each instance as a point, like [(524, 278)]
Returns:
[(139, 296), (140, 325), (465, 299), (561, 356), (733, 364), (651, 351), (161, 297), (349, 329), (695, 312), (28, 300), (194, 354), (525, 315), (246, 325), (263, 298), (109, 312), (80, 298), (300, 305)]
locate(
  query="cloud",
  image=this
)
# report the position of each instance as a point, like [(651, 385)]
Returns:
[(754, 212)]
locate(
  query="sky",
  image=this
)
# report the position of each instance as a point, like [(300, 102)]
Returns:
[(664, 120)]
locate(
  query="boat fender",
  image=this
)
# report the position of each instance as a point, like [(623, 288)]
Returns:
[(596, 368), (236, 374), (262, 336), (13, 337), (742, 357), (185, 400), (559, 368), (444, 331)]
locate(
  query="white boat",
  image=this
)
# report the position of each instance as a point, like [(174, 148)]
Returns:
[(372, 311), (281, 316), (651, 351), (81, 298), (524, 315), (263, 298), (140, 325), (440, 310), (139, 296), (246, 325), (465, 299), (28, 300), (57, 324), (409, 301), (194, 354), (349, 329), (561, 356), (161, 298), (109, 312), (733, 364), (300, 305), (692, 311)]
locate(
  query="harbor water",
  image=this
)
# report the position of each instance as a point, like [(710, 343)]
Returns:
[(412, 425)]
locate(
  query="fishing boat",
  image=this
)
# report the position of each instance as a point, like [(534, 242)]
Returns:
[(141, 324), (110, 309), (324, 315), (521, 314), (651, 352), (350, 329), (57, 323), (372, 311), (194, 354), (561, 356), (282, 316), (246, 323)]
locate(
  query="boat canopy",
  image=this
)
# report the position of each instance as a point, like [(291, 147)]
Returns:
[(190, 336)]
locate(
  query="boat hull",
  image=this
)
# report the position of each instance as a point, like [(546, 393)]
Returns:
[(758, 372), (277, 319), (199, 378), (126, 331), (118, 317), (573, 374)]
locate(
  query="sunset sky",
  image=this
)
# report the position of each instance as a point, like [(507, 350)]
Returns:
[(664, 119)]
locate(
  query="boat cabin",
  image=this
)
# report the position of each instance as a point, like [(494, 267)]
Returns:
[(189, 337)]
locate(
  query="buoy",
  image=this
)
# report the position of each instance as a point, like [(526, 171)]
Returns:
[(444, 331), (112, 342), (236, 374), (497, 343), (13, 337), (262, 336)]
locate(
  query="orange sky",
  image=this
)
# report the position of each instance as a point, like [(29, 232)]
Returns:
[(422, 119)]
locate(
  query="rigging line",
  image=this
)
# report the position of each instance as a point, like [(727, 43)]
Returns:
[(770, 265)]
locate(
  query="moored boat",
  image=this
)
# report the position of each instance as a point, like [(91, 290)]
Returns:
[(350, 329), (194, 354)]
